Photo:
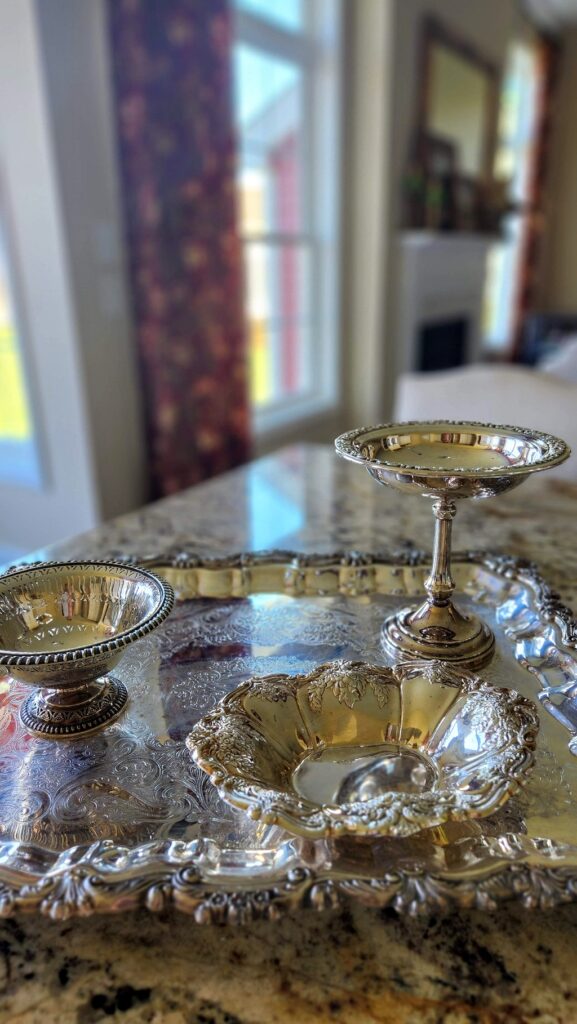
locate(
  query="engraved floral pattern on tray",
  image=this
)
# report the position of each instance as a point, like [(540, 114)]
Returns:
[(125, 819)]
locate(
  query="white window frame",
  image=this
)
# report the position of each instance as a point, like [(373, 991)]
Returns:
[(317, 51)]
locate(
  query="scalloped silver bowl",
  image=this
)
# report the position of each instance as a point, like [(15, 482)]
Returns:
[(63, 626), (355, 748)]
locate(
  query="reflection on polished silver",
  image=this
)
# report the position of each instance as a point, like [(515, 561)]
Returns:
[(124, 819), (356, 748), (63, 626), (444, 460)]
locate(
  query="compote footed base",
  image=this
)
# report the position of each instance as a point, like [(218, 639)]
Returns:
[(441, 633)]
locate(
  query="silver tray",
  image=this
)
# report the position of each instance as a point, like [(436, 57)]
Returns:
[(124, 819)]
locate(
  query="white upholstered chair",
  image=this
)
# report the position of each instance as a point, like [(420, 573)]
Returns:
[(496, 394)]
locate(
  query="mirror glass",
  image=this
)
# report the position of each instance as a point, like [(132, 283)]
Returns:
[(459, 102)]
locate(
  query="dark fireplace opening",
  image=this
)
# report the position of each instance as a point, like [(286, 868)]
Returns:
[(443, 345)]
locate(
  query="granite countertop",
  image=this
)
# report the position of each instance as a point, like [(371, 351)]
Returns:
[(351, 965)]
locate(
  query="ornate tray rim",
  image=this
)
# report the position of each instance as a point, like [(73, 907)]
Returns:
[(109, 878)]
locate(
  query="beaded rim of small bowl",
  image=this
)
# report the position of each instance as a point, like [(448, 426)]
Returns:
[(557, 450), (149, 623)]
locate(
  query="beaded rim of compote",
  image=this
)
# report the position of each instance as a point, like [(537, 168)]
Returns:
[(554, 451)]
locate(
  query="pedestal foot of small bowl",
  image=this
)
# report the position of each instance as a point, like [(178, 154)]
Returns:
[(440, 634), (68, 714)]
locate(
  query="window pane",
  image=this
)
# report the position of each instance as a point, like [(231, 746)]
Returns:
[(269, 119), (503, 266), (279, 318), (514, 160), (286, 13), (517, 120), (18, 456)]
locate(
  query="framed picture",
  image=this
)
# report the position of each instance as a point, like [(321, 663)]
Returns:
[(466, 196), (447, 57), (438, 160), (438, 157)]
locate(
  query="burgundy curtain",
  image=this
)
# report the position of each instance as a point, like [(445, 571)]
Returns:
[(172, 78)]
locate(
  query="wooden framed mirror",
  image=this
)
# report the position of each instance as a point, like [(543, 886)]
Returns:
[(458, 100)]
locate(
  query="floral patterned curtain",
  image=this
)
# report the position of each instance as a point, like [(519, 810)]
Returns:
[(172, 79)]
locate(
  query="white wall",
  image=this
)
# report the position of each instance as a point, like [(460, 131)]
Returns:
[(369, 123), (382, 71), (489, 25)]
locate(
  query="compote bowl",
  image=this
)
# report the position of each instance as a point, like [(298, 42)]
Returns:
[(444, 460), (63, 626)]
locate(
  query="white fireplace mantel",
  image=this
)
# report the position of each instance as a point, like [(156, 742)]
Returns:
[(442, 277)]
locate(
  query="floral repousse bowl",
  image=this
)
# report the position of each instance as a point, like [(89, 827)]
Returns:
[(63, 626), (367, 750)]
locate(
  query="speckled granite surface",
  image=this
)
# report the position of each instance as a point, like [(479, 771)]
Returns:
[(354, 965), (307, 499)]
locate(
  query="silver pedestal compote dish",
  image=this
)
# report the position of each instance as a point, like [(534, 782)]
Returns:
[(444, 460)]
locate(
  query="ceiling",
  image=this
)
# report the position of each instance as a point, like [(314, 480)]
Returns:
[(552, 14)]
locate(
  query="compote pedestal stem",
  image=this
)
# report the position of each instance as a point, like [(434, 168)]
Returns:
[(439, 584), (437, 628)]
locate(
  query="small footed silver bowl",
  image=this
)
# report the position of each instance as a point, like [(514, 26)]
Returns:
[(63, 627), (356, 748)]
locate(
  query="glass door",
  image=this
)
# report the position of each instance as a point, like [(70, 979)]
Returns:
[(47, 482), (19, 457)]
